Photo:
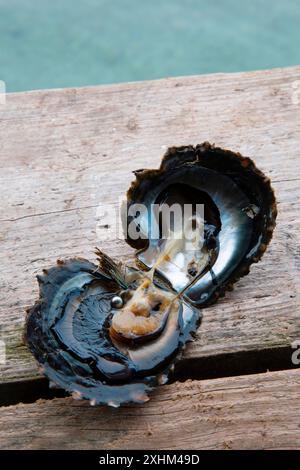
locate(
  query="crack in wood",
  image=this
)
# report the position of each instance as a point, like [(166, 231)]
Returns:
[(40, 214)]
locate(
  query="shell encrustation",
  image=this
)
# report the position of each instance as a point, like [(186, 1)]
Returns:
[(110, 333)]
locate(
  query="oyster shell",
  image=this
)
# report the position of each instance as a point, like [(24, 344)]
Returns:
[(96, 351), (239, 218), (109, 333)]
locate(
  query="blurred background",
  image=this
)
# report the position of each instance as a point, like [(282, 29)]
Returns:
[(66, 43)]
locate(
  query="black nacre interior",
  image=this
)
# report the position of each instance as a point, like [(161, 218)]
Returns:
[(68, 333), (238, 201)]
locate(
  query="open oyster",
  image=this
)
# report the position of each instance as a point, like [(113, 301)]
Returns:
[(109, 333)]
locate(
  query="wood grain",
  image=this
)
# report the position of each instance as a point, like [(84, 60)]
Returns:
[(65, 153), (251, 412)]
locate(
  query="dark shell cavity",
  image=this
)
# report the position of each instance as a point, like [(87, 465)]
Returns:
[(68, 331), (239, 213)]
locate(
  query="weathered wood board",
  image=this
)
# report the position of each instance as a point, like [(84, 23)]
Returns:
[(251, 412), (65, 153)]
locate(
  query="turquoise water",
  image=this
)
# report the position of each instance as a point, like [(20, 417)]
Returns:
[(62, 43)]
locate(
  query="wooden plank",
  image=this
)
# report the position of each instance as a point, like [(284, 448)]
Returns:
[(63, 153), (251, 412)]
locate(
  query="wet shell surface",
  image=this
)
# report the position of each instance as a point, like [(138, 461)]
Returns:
[(109, 333), (239, 218), (77, 333)]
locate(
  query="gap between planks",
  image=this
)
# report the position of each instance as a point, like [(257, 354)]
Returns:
[(214, 366), (251, 412)]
